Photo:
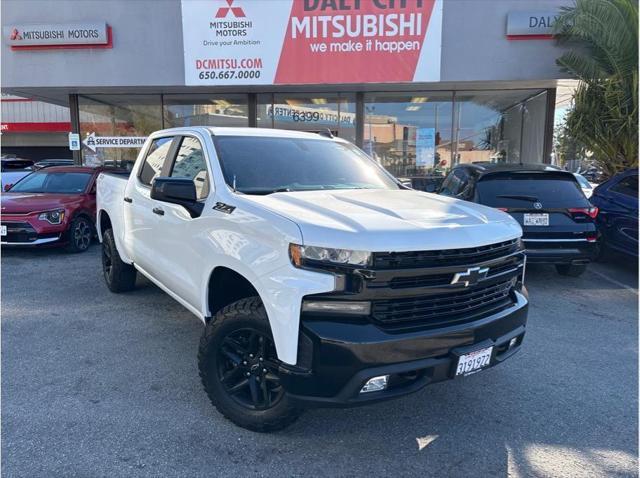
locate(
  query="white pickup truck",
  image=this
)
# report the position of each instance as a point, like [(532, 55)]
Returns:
[(321, 280)]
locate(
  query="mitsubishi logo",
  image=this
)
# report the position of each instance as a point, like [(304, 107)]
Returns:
[(471, 276), (224, 11), (15, 35)]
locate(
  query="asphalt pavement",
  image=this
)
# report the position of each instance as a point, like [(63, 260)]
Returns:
[(96, 384)]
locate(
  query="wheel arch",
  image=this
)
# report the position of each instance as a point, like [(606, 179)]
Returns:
[(226, 286), (103, 223)]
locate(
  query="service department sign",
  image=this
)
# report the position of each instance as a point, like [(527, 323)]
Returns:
[(56, 35), (233, 42)]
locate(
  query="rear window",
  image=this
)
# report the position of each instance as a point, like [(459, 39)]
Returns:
[(521, 190)]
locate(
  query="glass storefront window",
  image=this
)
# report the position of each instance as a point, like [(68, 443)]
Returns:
[(113, 127), (205, 110), (309, 112), (488, 126), (409, 134)]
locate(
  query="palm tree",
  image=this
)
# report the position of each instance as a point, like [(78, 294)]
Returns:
[(603, 35)]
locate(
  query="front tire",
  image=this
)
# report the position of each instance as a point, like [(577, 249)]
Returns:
[(80, 234), (119, 276), (239, 368), (571, 270)]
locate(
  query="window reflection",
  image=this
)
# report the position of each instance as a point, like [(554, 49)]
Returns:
[(309, 112), (500, 126), (205, 110), (409, 134), (113, 116)]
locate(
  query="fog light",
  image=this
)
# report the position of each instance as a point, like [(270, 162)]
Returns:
[(513, 342), (375, 384), (337, 307)]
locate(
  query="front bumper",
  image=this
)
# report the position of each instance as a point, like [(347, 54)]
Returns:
[(343, 356), (30, 231)]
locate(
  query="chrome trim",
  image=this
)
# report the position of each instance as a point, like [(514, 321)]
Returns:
[(33, 243), (555, 240)]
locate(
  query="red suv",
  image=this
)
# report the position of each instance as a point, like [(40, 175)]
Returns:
[(52, 206)]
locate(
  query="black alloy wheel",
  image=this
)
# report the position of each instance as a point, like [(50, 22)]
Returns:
[(80, 235), (248, 369)]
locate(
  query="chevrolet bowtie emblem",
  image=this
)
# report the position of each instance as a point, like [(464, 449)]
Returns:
[(471, 276)]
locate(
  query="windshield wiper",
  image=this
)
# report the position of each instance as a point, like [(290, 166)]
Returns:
[(518, 196)]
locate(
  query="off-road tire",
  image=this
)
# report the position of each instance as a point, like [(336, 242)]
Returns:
[(80, 235), (120, 277), (571, 270), (241, 315)]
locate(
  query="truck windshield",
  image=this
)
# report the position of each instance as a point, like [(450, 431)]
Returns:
[(60, 183), (264, 165)]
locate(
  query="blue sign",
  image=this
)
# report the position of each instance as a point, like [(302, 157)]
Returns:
[(425, 146)]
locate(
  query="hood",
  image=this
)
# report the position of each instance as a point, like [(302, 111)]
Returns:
[(24, 203), (389, 220)]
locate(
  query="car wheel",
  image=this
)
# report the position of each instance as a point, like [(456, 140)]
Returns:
[(80, 234), (239, 368), (119, 276), (571, 270)]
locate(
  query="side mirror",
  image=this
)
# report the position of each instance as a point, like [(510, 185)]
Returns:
[(179, 191), (7, 187)]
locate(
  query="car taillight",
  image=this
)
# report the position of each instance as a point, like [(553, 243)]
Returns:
[(503, 209), (592, 237), (592, 212)]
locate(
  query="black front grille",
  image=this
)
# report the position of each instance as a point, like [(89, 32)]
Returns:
[(447, 257), (19, 232), (449, 308)]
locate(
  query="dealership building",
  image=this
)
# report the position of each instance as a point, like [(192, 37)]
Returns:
[(419, 84)]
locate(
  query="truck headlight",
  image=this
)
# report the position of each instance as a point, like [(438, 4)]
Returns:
[(52, 217), (300, 255)]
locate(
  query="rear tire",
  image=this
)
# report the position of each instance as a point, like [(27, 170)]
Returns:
[(239, 368), (571, 270), (119, 276), (80, 234)]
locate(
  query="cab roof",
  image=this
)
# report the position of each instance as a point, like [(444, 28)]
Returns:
[(233, 131)]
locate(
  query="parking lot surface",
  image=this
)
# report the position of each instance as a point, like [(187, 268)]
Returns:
[(96, 384)]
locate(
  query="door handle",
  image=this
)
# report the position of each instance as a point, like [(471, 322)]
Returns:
[(158, 211), (128, 199)]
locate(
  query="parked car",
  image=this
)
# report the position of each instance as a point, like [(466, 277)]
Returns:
[(320, 279), (46, 163), (585, 185), (617, 200), (557, 220), (52, 206), (13, 163)]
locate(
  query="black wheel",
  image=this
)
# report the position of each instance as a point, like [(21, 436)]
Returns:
[(119, 276), (80, 234), (571, 270), (239, 368)]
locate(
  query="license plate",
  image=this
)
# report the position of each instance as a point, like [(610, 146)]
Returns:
[(536, 219), (474, 361), (3, 230)]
